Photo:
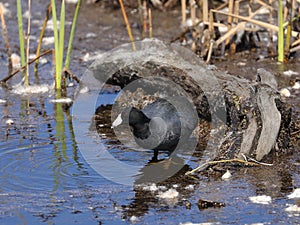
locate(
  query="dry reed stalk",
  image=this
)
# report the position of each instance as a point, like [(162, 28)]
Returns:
[(257, 22), (170, 3), (211, 46), (233, 30), (285, 11), (5, 37), (222, 6), (205, 11), (211, 23), (215, 24), (271, 22), (145, 17), (28, 44), (295, 49), (193, 11), (127, 25), (268, 6), (141, 16), (296, 43), (38, 50), (229, 19), (235, 21), (150, 22), (289, 7), (183, 14), (211, 33)]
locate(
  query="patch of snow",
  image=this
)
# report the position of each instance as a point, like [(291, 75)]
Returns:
[(61, 100), (2, 101), (48, 40), (296, 85), (295, 194), (226, 176), (5, 10), (134, 219), (285, 92), (241, 64), (171, 193), (83, 90), (90, 35), (72, 1), (261, 199), (290, 73), (16, 60), (292, 208), (26, 14), (9, 122), (31, 89), (151, 187), (190, 187)]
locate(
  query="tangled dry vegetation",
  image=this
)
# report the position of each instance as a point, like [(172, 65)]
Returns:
[(225, 27)]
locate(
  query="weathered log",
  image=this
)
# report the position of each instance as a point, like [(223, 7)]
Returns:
[(246, 118)]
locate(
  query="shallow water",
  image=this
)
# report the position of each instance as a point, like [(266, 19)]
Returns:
[(45, 177)]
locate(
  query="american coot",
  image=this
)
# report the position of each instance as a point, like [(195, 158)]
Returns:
[(161, 124)]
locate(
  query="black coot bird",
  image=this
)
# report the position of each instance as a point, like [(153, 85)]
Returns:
[(161, 125)]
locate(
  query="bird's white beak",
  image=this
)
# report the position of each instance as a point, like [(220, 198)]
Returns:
[(117, 121)]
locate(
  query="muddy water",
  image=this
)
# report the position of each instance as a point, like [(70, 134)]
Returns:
[(44, 178)]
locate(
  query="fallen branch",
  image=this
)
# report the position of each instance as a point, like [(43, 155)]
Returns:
[(255, 163), (3, 81)]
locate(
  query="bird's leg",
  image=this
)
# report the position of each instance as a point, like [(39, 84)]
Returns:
[(155, 155)]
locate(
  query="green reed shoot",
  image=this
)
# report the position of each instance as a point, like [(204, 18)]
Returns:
[(70, 45), (28, 44), (280, 44), (21, 36), (58, 64), (59, 40)]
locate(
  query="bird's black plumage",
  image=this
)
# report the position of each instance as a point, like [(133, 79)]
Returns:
[(161, 124)]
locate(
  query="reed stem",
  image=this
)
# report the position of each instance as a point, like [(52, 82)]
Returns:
[(58, 67), (21, 36), (61, 38), (73, 29), (127, 25), (38, 50), (28, 44), (183, 13), (150, 23), (280, 44)]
